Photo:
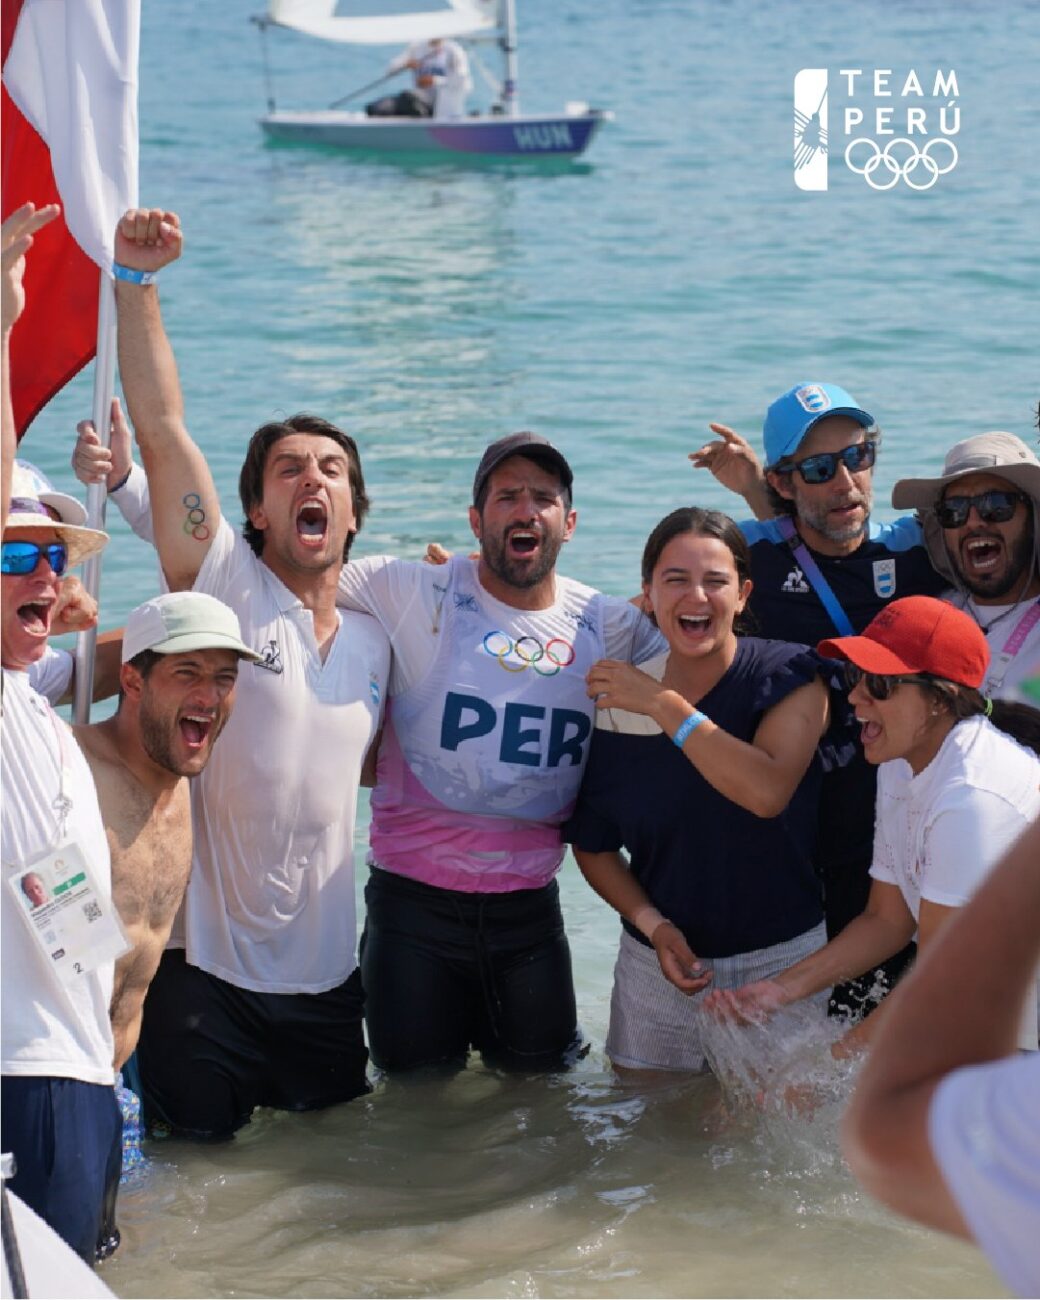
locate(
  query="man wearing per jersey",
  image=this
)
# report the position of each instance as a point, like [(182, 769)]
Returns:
[(486, 737)]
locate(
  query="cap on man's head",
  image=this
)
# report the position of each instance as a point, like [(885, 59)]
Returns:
[(34, 498), (531, 445), (795, 412), (1000, 454), (180, 621), (917, 634)]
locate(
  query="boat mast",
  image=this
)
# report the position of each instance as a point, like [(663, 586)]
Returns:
[(507, 43)]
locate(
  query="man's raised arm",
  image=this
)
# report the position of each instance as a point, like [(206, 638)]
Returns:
[(185, 507)]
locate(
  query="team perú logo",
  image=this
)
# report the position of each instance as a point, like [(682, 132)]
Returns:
[(895, 128)]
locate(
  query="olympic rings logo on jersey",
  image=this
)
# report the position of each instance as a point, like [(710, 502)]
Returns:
[(895, 169), (528, 652)]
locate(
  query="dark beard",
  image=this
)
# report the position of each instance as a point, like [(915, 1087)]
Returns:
[(155, 737), (495, 555)]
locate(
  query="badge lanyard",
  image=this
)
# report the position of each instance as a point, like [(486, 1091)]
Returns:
[(72, 920), (819, 583), (1014, 643)]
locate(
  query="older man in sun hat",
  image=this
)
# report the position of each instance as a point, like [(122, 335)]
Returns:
[(37, 504), (59, 1113), (981, 521)]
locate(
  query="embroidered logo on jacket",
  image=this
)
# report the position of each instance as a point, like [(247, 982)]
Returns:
[(885, 578)]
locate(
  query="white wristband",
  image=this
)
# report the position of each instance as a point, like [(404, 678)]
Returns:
[(646, 919)]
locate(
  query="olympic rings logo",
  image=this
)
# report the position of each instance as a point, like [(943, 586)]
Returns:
[(195, 524), (901, 169), (529, 651)]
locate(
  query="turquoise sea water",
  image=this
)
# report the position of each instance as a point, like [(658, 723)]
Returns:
[(617, 305)]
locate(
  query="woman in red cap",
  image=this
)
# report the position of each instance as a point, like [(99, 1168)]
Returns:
[(955, 789)]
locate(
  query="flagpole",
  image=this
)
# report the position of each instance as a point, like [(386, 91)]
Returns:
[(97, 493)]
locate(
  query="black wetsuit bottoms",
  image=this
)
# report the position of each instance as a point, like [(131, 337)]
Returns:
[(67, 1139), (210, 1052), (445, 971), (405, 104)]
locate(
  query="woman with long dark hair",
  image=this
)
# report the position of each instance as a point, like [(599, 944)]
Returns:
[(702, 768)]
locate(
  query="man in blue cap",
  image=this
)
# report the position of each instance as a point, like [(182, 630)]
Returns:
[(821, 565)]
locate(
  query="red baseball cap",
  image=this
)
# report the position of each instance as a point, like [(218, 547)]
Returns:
[(917, 634)]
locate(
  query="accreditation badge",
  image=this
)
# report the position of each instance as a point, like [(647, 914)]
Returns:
[(71, 918)]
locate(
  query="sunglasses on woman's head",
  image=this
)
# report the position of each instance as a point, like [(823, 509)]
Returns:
[(879, 686), (22, 557), (993, 507), (822, 467)]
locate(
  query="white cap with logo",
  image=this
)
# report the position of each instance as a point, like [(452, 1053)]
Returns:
[(180, 621)]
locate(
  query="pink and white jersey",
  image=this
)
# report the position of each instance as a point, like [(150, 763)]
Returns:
[(488, 724)]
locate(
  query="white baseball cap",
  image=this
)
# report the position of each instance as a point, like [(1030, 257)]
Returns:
[(181, 621)]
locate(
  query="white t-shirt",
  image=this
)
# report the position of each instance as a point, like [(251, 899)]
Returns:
[(270, 901), (938, 834), (51, 674), (984, 1129), (1005, 675), (447, 63), (50, 1029)]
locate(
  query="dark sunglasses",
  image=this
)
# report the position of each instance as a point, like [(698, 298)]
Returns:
[(879, 686), (993, 507), (23, 557), (823, 467)]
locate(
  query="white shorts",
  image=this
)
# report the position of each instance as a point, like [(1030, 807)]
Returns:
[(655, 1027)]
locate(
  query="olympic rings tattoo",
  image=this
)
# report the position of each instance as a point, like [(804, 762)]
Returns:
[(195, 524), (903, 169), (530, 652)]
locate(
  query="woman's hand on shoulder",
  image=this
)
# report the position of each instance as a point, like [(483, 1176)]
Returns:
[(678, 963)]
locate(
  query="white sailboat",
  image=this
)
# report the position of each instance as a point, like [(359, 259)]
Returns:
[(503, 131)]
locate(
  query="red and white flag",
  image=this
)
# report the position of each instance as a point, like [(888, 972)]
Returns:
[(69, 136)]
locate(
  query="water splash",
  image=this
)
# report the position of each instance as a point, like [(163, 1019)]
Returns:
[(783, 1088)]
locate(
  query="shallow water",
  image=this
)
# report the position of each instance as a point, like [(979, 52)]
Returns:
[(488, 1185), (675, 277)]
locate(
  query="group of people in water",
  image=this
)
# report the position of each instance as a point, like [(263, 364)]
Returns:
[(801, 747)]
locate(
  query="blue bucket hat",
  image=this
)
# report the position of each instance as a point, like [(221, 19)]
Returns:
[(795, 412)]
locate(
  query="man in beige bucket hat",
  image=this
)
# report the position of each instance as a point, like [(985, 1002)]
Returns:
[(981, 521)]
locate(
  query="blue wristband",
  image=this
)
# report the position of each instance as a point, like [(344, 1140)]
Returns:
[(691, 724), (134, 277)]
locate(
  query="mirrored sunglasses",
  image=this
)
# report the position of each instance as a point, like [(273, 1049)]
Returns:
[(879, 686), (22, 557), (822, 467), (993, 507)]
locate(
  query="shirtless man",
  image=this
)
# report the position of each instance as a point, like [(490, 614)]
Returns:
[(177, 682)]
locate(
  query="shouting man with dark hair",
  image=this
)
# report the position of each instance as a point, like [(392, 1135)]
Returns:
[(487, 735), (257, 1001)]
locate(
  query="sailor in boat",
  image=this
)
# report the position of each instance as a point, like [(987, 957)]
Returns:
[(442, 82)]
